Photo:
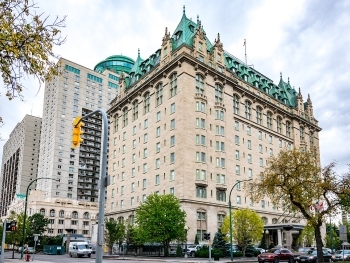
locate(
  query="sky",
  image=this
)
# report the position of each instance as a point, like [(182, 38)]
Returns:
[(308, 41)]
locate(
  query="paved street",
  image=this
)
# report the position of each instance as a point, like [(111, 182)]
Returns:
[(41, 258)]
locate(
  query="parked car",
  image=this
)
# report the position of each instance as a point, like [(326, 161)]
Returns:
[(339, 254), (261, 250), (93, 249), (172, 252), (311, 256), (191, 249), (276, 255), (305, 249)]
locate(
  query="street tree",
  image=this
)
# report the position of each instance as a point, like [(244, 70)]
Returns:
[(294, 181), (160, 219), (15, 237), (37, 225), (332, 239), (247, 227), (220, 243), (307, 235), (27, 39), (113, 233)]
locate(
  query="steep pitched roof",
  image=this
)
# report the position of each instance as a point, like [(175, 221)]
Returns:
[(136, 68)]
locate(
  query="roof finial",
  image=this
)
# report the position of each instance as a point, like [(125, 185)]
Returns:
[(197, 19), (218, 37), (280, 75), (138, 52), (166, 30), (184, 9), (288, 80)]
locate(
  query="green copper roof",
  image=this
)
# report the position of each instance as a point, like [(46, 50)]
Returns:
[(117, 63), (136, 68)]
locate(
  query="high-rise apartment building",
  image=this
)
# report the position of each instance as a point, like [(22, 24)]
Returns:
[(192, 120), (19, 160), (76, 92)]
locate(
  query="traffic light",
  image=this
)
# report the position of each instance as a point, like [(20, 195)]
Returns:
[(11, 226), (77, 132), (206, 236)]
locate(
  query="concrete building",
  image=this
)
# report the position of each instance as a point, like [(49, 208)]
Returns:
[(63, 214), (192, 120), (76, 92), (19, 160)]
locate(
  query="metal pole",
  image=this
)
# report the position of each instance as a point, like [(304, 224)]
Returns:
[(25, 210), (2, 256), (331, 236), (229, 207)]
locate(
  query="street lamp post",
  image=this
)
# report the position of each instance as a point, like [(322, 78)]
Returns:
[(25, 209), (186, 230), (229, 208), (266, 235)]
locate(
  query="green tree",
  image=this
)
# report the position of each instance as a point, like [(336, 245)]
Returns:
[(332, 236), (37, 225), (220, 243), (307, 236), (294, 181), (26, 43), (160, 220), (196, 241), (111, 233), (15, 237), (247, 227)]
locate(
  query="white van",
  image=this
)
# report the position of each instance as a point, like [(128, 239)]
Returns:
[(79, 249)]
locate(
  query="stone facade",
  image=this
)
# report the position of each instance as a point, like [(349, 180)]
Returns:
[(192, 127)]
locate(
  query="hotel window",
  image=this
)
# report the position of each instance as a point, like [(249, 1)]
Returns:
[(172, 175), (220, 146), (220, 162), (201, 225), (237, 139), (269, 119), (144, 183), (237, 155), (158, 147), (218, 93), (259, 115), (200, 106), (200, 140), (172, 157), (146, 102), (145, 138), (279, 124), (157, 163), (261, 162), (158, 132), (238, 170), (157, 179), (134, 130), (201, 192), (302, 134), (145, 153), (172, 124), (271, 152), (200, 46), (260, 148), (132, 201), (238, 200), (199, 84), (123, 176), (235, 104), (260, 135), (270, 139), (219, 115), (201, 175), (248, 109), (125, 117), (172, 191), (249, 144), (236, 125), (134, 144), (200, 123), (158, 116), (172, 108), (144, 198), (220, 179), (311, 138), (145, 168), (288, 129), (280, 143), (173, 85), (200, 157), (250, 173), (221, 195), (135, 110), (133, 172), (220, 220), (249, 158), (123, 162), (159, 94), (145, 124), (133, 158), (262, 203), (249, 130), (172, 141)]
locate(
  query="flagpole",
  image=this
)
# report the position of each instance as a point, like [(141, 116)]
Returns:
[(245, 51)]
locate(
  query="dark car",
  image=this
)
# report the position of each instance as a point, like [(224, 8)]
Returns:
[(93, 249), (339, 254), (276, 255), (311, 256)]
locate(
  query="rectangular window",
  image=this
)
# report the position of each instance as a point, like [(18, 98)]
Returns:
[(271, 152), (172, 191), (157, 179), (158, 116), (200, 157), (158, 132), (134, 144), (249, 158), (201, 192), (172, 124), (145, 153), (172, 157), (157, 163), (270, 139), (172, 108), (237, 139), (145, 124), (172, 141), (221, 195), (237, 155), (261, 162), (250, 173), (145, 168), (238, 200), (260, 135), (158, 147), (238, 170), (145, 138), (144, 183), (172, 175), (249, 130), (236, 125), (280, 143), (249, 144)]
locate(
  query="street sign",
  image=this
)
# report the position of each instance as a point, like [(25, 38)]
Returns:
[(36, 237), (343, 235)]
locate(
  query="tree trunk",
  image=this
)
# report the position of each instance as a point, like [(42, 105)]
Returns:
[(319, 242)]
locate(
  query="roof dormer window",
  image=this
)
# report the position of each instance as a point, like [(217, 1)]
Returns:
[(191, 27), (178, 35)]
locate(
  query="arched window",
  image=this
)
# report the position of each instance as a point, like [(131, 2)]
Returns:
[(131, 219), (120, 220), (288, 127), (201, 224), (173, 85), (146, 103), (61, 214), (199, 84), (279, 124), (74, 214), (264, 219), (42, 211), (302, 134), (235, 104), (248, 109), (218, 93), (52, 212), (159, 94), (259, 115), (274, 220), (125, 116), (86, 215), (269, 119), (135, 110)]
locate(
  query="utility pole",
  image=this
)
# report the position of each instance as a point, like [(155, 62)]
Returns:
[(2, 256)]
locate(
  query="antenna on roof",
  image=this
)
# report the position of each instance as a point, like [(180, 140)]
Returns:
[(184, 9), (245, 53)]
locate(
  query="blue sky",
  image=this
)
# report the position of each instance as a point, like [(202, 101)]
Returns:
[(308, 41)]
